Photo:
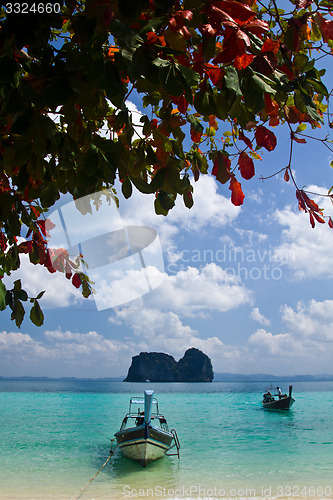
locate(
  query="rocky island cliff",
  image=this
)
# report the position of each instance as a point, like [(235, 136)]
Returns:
[(194, 366)]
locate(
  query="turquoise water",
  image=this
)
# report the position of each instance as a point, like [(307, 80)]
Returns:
[(55, 436)]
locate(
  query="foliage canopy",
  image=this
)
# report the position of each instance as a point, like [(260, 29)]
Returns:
[(193, 63)]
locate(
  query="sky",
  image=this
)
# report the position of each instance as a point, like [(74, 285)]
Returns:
[(250, 286)]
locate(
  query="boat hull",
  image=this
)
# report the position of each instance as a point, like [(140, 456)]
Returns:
[(279, 404), (144, 444)]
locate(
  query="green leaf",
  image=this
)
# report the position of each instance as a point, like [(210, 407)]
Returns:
[(175, 40), (160, 63), (21, 295), (18, 312), (142, 185), (191, 77), (301, 127), (231, 80), (2, 296), (222, 105), (158, 179), (204, 102), (300, 61), (36, 314), (318, 86), (260, 84), (170, 80), (164, 202), (299, 101), (126, 187)]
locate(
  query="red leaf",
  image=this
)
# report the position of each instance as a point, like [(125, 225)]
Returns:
[(271, 46), (181, 104), (286, 175), (247, 141), (318, 218), (300, 141), (246, 166), (238, 11), (241, 62), (36, 211), (301, 203), (326, 29), (184, 14), (264, 64), (237, 195), (217, 15), (195, 134), (215, 73), (3, 242), (24, 247), (76, 280), (310, 203), (330, 223), (221, 167), (41, 224), (207, 30), (49, 225), (265, 138), (257, 27), (312, 222), (233, 45)]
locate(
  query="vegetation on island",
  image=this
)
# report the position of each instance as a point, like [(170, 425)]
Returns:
[(68, 68)]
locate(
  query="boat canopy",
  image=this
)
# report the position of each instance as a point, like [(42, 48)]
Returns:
[(135, 402)]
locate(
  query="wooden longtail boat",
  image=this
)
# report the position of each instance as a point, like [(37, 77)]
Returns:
[(144, 436), (278, 402)]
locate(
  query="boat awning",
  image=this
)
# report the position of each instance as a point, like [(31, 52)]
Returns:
[(141, 401)]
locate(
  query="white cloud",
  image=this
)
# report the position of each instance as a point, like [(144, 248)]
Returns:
[(60, 292), (305, 345), (252, 236), (307, 252), (257, 316), (64, 353), (210, 209), (194, 292), (267, 343), (164, 331), (313, 320), (13, 339)]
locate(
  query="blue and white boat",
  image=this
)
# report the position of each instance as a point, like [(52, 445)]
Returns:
[(144, 435)]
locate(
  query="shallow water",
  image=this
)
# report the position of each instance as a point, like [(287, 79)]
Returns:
[(55, 436)]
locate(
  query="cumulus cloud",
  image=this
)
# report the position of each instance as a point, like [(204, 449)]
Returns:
[(307, 252), (210, 210), (304, 346), (268, 343), (13, 339), (312, 320), (64, 353), (196, 291), (257, 316)]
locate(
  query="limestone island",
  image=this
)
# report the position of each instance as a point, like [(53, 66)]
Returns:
[(194, 366)]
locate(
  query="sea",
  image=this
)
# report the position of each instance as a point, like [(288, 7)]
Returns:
[(56, 435)]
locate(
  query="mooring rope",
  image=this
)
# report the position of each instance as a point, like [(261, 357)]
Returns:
[(78, 494)]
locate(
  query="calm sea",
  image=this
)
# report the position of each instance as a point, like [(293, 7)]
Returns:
[(54, 436)]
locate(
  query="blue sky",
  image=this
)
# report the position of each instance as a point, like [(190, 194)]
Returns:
[(250, 286)]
